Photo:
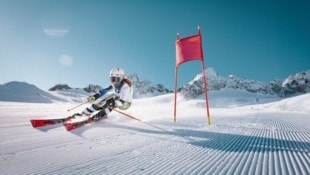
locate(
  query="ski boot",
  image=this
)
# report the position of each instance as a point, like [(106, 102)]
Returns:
[(100, 115), (77, 115)]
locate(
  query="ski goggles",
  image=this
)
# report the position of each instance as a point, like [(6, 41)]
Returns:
[(115, 79)]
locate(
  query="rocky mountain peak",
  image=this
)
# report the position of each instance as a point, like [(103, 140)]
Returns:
[(60, 87), (298, 83), (146, 88), (92, 88), (293, 85)]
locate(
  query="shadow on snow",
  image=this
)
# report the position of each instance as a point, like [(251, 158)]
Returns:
[(225, 141)]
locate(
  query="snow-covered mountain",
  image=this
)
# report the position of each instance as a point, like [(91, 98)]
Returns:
[(92, 88), (231, 90), (24, 92), (293, 85), (70, 94), (296, 84), (77, 95), (145, 88), (142, 88), (60, 87)]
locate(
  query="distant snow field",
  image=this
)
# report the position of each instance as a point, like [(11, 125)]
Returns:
[(270, 138)]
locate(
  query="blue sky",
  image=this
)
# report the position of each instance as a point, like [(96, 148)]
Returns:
[(77, 42)]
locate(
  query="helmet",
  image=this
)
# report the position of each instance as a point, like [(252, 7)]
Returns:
[(116, 75)]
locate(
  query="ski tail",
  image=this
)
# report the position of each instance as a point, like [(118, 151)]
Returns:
[(46, 122)]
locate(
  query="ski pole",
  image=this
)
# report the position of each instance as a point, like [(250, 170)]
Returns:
[(77, 106), (130, 116)]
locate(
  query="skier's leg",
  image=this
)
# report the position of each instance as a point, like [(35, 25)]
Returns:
[(101, 114), (107, 108), (87, 111)]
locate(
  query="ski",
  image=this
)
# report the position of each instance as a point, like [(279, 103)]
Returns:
[(77, 124), (45, 122)]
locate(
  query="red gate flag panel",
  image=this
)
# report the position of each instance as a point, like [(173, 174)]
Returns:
[(188, 49)]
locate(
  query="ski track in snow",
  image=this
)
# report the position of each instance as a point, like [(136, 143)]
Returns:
[(239, 141)]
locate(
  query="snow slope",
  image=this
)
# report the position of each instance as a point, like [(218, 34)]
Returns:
[(240, 140), (24, 92), (228, 97), (298, 103)]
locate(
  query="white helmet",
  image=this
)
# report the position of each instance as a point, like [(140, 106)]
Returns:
[(116, 75)]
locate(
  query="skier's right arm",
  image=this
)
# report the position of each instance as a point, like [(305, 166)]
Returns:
[(105, 90), (94, 97)]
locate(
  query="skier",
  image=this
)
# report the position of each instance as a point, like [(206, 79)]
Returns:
[(117, 95)]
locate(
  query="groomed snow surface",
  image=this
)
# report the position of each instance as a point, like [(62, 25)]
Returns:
[(268, 138)]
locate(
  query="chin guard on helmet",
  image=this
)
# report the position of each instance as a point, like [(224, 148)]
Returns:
[(116, 75)]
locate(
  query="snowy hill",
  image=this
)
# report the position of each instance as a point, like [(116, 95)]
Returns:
[(298, 103), (228, 97), (24, 92), (293, 85), (242, 140)]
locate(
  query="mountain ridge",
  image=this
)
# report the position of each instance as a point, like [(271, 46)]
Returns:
[(298, 83)]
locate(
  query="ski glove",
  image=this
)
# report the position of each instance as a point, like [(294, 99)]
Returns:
[(91, 99), (108, 103)]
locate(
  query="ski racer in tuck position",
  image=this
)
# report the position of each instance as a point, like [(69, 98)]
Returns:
[(117, 95)]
